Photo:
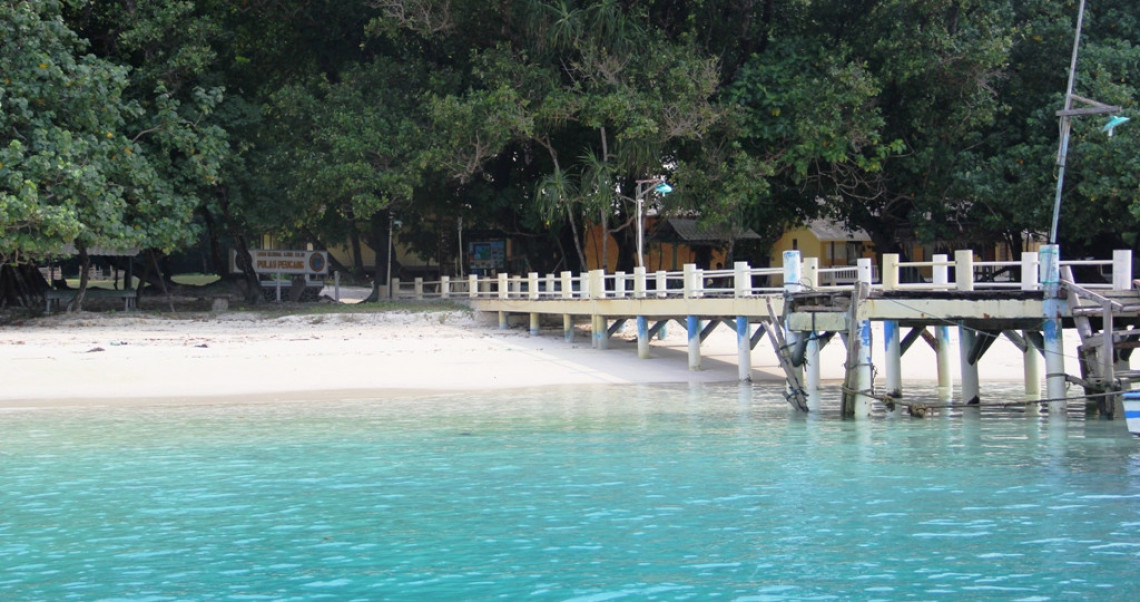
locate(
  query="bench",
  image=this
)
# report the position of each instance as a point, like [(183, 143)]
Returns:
[(59, 297)]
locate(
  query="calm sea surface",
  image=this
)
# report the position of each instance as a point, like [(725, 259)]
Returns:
[(635, 493)]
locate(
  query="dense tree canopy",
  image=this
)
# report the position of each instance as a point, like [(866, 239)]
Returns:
[(160, 123)]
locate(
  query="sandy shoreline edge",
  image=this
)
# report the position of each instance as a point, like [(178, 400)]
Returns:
[(101, 359)]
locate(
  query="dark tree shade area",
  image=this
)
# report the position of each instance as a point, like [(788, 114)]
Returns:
[(166, 125)]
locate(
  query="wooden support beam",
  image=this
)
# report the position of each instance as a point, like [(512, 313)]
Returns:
[(929, 338), (910, 338), (982, 344), (707, 330), (760, 330), (1017, 340)]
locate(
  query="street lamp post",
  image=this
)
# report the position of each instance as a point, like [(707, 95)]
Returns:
[(659, 186), (1093, 108)]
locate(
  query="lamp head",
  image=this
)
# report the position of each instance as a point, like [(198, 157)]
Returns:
[(1117, 120), (663, 188)]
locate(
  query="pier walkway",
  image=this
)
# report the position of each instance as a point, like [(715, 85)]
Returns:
[(799, 307)]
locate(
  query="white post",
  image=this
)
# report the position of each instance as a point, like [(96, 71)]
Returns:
[(567, 285), (942, 356), (504, 323), (810, 276), (619, 285), (642, 335), (890, 274), (966, 339), (690, 272), (893, 349), (504, 286), (639, 282), (394, 288), (812, 373), (598, 332), (793, 272), (568, 327), (1032, 370), (278, 276), (472, 286), (793, 283), (693, 325), (743, 348), (445, 287), (742, 279), (597, 284), (662, 283), (532, 286), (1122, 270), (864, 380), (940, 273), (535, 328), (964, 270), (1029, 267), (418, 288), (1054, 335), (336, 285)]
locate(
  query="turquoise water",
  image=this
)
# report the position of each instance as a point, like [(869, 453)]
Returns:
[(635, 493)]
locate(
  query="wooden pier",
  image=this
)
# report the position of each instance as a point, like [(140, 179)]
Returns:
[(800, 307)]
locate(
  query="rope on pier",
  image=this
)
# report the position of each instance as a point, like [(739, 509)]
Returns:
[(919, 410)]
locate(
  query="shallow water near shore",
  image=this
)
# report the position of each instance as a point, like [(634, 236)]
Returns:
[(599, 493)]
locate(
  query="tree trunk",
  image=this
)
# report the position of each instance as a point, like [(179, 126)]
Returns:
[(84, 275), (250, 279)]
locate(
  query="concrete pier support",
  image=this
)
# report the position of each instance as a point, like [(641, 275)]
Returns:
[(642, 337), (599, 332), (811, 373), (503, 325), (568, 327), (1050, 258), (743, 347), (966, 340), (535, 328), (862, 381), (942, 356), (1032, 369), (892, 343), (693, 325)]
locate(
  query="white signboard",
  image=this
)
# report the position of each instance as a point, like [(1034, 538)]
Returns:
[(289, 262)]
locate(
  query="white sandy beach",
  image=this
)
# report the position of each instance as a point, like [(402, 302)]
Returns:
[(122, 358)]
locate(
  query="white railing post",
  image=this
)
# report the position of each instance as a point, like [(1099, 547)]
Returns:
[(793, 272), (662, 283), (639, 282), (395, 284), (964, 270), (690, 276), (584, 285), (742, 280), (567, 285), (445, 287), (597, 284), (504, 286), (890, 271), (940, 272), (1029, 267), (810, 276), (532, 285), (548, 285), (472, 286), (619, 285), (865, 270), (418, 288), (1122, 270)]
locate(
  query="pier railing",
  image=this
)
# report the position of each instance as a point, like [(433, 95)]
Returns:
[(941, 273)]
